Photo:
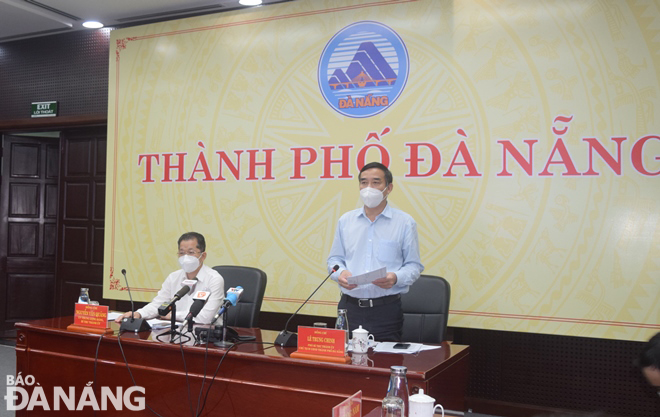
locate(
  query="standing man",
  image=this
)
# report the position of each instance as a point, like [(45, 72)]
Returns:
[(191, 253), (375, 236), (649, 361)]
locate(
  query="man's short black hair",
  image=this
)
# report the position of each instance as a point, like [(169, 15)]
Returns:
[(386, 171), (201, 242), (650, 355)]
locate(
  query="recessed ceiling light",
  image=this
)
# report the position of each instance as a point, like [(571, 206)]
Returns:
[(249, 2), (90, 24)]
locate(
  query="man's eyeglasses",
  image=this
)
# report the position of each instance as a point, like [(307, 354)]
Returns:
[(190, 252)]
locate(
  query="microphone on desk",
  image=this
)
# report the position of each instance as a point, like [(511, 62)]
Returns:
[(233, 295), (187, 287), (132, 324), (289, 339), (200, 299)]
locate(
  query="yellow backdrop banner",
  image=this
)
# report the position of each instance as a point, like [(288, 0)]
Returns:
[(523, 138)]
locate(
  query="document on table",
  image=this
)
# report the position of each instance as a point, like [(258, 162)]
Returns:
[(154, 323), (388, 347), (368, 277), (113, 315)]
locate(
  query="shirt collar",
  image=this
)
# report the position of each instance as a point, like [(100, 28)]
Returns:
[(201, 275), (387, 212)]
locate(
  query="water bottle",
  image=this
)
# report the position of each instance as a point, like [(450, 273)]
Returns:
[(342, 322), (395, 404), (84, 296)]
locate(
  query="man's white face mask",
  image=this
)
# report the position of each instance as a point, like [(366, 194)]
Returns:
[(189, 263), (371, 197)]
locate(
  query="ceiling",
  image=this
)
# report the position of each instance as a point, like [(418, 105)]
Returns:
[(20, 19)]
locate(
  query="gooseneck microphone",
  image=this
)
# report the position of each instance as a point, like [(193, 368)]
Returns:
[(289, 339), (132, 324)]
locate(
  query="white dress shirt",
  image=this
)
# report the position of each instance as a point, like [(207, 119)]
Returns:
[(208, 280), (390, 241)]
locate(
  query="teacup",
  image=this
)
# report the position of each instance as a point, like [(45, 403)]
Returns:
[(421, 405), (361, 359), (361, 339)]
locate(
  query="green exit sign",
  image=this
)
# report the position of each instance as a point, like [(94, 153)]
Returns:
[(44, 109)]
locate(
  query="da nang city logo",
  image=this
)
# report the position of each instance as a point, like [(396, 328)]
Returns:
[(363, 69)]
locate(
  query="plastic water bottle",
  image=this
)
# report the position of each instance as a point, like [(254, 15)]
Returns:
[(342, 322), (395, 404), (84, 296)]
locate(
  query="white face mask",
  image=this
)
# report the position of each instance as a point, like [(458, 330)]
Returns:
[(371, 197), (189, 263)]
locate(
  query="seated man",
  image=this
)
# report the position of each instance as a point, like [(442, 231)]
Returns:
[(192, 252), (371, 237), (649, 361)]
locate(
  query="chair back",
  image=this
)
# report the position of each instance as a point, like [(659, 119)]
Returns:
[(253, 280), (426, 310)]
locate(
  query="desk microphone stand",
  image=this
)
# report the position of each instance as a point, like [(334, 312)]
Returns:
[(172, 332), (224, 343)]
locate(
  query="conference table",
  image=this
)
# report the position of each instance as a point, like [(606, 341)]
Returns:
[(253, 378)]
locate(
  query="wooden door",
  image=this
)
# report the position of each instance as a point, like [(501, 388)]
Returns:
[(81, 216), (28, 228)]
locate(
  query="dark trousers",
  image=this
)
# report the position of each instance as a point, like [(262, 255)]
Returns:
[(384, 322)]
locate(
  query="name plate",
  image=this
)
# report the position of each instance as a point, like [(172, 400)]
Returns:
[(91, 316), (322, 341), (350, 407)]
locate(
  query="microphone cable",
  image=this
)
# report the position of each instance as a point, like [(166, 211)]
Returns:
[(220, 363), (131, 374), (206, 355), (181, 341), (96, 358), (185, 369)]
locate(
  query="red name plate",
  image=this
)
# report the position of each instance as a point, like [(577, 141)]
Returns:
[(91, 316), (350, 407), (322, 341)]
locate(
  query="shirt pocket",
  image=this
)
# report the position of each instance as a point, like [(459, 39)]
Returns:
[(389, 251)]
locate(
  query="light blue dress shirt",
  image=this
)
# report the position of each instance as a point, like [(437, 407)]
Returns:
[(361, 246)]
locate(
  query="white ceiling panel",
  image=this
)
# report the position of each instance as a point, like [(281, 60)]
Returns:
[(21, 19), (15, 21)]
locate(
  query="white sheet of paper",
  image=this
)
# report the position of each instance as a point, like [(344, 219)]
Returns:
[(388, 347), (113, 315), (157, 324), (368, 277)]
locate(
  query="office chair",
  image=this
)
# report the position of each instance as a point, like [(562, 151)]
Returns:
[(253, 281), (426, 310)]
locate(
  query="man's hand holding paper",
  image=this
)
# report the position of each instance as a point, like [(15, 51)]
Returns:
[(387, 282), (343, 280), (369, 277)]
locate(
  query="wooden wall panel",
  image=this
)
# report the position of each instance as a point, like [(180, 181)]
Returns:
[(78, 159), (76, 200), (24, 200), (50, 240), (51, 201), (23, 239), (22, 159), (30, 296), (97, 245), (75, 245)]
